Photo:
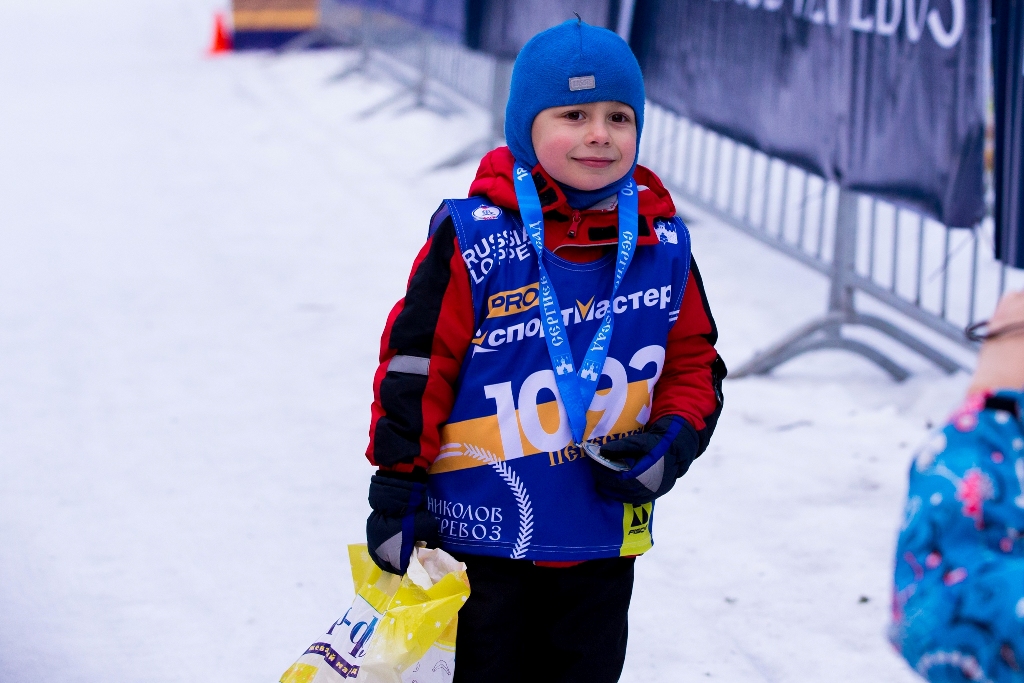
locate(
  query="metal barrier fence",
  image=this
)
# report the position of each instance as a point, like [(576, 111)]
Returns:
[(939, 277), (434, 74)]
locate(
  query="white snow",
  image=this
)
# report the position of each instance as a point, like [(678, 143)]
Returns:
[(197, 257)]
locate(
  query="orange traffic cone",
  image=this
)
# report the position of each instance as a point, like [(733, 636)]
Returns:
[(221, 36)]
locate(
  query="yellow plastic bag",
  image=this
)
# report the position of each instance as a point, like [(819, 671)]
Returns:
[(398, 629)]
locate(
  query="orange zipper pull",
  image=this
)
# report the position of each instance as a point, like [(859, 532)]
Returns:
[(576, 218)]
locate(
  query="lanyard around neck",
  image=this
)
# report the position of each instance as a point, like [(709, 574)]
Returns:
[(576, 388)]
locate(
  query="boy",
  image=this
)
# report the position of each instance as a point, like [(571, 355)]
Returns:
[(549, 373), (958, 600)]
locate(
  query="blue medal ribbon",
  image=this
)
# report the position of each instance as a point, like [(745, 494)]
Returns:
[(576, 388)]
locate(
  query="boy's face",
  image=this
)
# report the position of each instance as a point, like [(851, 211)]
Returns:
[(586, 146)]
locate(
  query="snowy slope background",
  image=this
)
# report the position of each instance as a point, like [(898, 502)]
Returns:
[(196, 259)]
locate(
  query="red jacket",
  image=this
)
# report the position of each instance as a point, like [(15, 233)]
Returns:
[(435, 321)]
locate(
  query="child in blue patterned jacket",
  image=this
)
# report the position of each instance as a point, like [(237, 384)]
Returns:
[(958, 602)]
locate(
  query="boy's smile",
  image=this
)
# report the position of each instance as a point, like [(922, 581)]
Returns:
[(586, 146)]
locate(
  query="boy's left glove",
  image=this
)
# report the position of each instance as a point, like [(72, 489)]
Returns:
[(655, 458), (399, 519)]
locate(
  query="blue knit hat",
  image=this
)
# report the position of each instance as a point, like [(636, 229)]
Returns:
[(572, 63)]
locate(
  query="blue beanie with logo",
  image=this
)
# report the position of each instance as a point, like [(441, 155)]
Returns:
[(572, 63)]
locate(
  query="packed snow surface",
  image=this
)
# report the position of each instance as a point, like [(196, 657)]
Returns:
[(197, 257)]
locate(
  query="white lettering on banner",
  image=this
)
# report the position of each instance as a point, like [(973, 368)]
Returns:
[(858, 22), (945, 19), (818, 11), (915, 19), (887, 22), (950, 38)]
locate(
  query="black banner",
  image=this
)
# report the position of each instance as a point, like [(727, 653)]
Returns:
[(1008, 63), (502, 27), (882, 96)]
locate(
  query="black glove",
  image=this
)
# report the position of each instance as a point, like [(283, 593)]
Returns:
[(399, 519), (655, 459)]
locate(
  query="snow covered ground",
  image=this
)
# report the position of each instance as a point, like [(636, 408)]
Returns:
[(196, 259)]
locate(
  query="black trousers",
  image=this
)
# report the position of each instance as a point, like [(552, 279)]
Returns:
[(543, 624)]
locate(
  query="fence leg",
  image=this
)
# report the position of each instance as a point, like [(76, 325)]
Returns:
[(421, 85), (361, 65), (949, 365), (844, 256), (416, 89), (496, 135), (421, 88)]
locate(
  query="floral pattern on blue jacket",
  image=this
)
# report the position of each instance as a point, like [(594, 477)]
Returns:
[(958, 599)]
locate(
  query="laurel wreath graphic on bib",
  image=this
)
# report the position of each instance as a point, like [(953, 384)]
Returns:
[(518, 489)]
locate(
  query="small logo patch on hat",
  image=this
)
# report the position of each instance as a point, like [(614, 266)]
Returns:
[(582, 83)]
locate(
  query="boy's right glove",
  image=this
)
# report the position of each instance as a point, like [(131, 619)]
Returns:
[(399, 519), (655, 459)]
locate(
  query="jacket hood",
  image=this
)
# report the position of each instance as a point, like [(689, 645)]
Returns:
[(595, 226)]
